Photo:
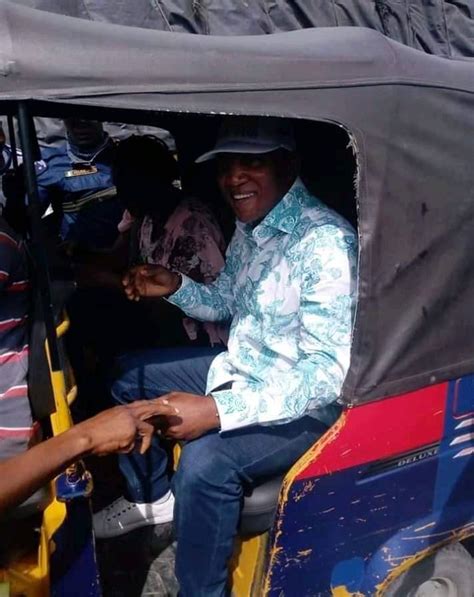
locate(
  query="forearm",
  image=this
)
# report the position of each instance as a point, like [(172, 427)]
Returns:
[(24, 474), (282, 396), (204, 302)]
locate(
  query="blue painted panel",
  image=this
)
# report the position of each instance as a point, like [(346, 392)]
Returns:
[(354, 527), (73, 563)]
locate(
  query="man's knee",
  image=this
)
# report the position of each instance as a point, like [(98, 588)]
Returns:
[(137, 376), (204, 468)]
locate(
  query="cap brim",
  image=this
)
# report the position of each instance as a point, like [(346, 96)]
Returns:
[(240, 148)]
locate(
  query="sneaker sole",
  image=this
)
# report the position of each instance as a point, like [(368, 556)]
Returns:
[(132, 527)]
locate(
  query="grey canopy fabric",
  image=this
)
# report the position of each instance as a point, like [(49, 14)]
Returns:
[(410, 118), (442, 27)]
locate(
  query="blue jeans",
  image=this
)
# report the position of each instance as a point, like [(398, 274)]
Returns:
[(148, 374), (213, 469)]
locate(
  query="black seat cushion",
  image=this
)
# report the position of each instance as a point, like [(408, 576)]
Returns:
[(260, 507)]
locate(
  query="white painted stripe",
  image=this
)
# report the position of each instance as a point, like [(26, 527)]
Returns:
[(466, 423), (465, 452), (462, 438)]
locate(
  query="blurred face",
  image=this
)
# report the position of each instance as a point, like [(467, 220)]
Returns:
[(84, 133), (254, 183), (138, 191)]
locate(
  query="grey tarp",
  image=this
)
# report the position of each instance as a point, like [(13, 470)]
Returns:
[(411, 117), (443, 27)]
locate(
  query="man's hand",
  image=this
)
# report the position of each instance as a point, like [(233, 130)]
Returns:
[(150, 281), (184, 416), (117, 429)]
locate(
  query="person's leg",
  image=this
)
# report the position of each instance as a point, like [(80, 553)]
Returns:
[(209, 486), (146, 375)]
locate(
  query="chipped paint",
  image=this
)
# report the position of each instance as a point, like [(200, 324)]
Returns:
[(441, 534), (307, 488), (304, 553), (407, 561), (391, 547), (327, 511), (426, 526), (275, 551)]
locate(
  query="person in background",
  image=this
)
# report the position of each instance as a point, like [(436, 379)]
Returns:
[(16, 425), (75, 179), (249, 412), (160, 225), (167, 227)]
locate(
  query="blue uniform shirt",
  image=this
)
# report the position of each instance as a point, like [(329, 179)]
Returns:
[(86, 197)]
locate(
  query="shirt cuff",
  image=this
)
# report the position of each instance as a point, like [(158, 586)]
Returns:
[(232, 413), (175, 297)]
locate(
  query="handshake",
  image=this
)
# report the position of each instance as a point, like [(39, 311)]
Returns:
[(123, 428)]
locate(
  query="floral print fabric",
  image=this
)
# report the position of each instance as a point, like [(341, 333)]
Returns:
[(288, 288), (192, 243)]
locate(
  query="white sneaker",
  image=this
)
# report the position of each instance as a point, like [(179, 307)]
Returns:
[(123, 516)]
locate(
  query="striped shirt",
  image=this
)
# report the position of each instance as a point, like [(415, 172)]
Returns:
[(15, 414)]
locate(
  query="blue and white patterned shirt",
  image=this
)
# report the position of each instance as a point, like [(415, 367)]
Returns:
[(288, 287)]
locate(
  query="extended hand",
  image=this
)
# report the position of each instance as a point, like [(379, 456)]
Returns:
[(150, 281), (187, 416), (117, 429)]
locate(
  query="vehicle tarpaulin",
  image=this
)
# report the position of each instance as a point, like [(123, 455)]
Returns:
[(410, 119), (442, 27)]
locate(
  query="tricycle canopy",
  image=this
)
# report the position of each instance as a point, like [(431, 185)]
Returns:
[(410, 117)]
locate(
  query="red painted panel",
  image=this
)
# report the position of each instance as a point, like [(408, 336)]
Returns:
[(382, 429)]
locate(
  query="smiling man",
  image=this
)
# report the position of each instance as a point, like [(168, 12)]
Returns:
[(249, 412)]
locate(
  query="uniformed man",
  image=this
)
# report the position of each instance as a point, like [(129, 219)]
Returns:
[(75, 179)]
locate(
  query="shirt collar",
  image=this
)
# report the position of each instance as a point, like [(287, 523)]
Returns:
[(78, 156), (284, 216)]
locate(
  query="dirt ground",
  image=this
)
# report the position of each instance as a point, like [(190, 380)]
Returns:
[(139, 564)]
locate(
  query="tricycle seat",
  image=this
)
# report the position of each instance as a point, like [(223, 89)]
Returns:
[(260, 507)]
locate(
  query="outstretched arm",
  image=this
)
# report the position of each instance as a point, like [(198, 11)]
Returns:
[(114, 430), (205, 302)]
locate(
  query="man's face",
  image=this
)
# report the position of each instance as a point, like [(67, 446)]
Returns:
[(254, 183), (84, 133)]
